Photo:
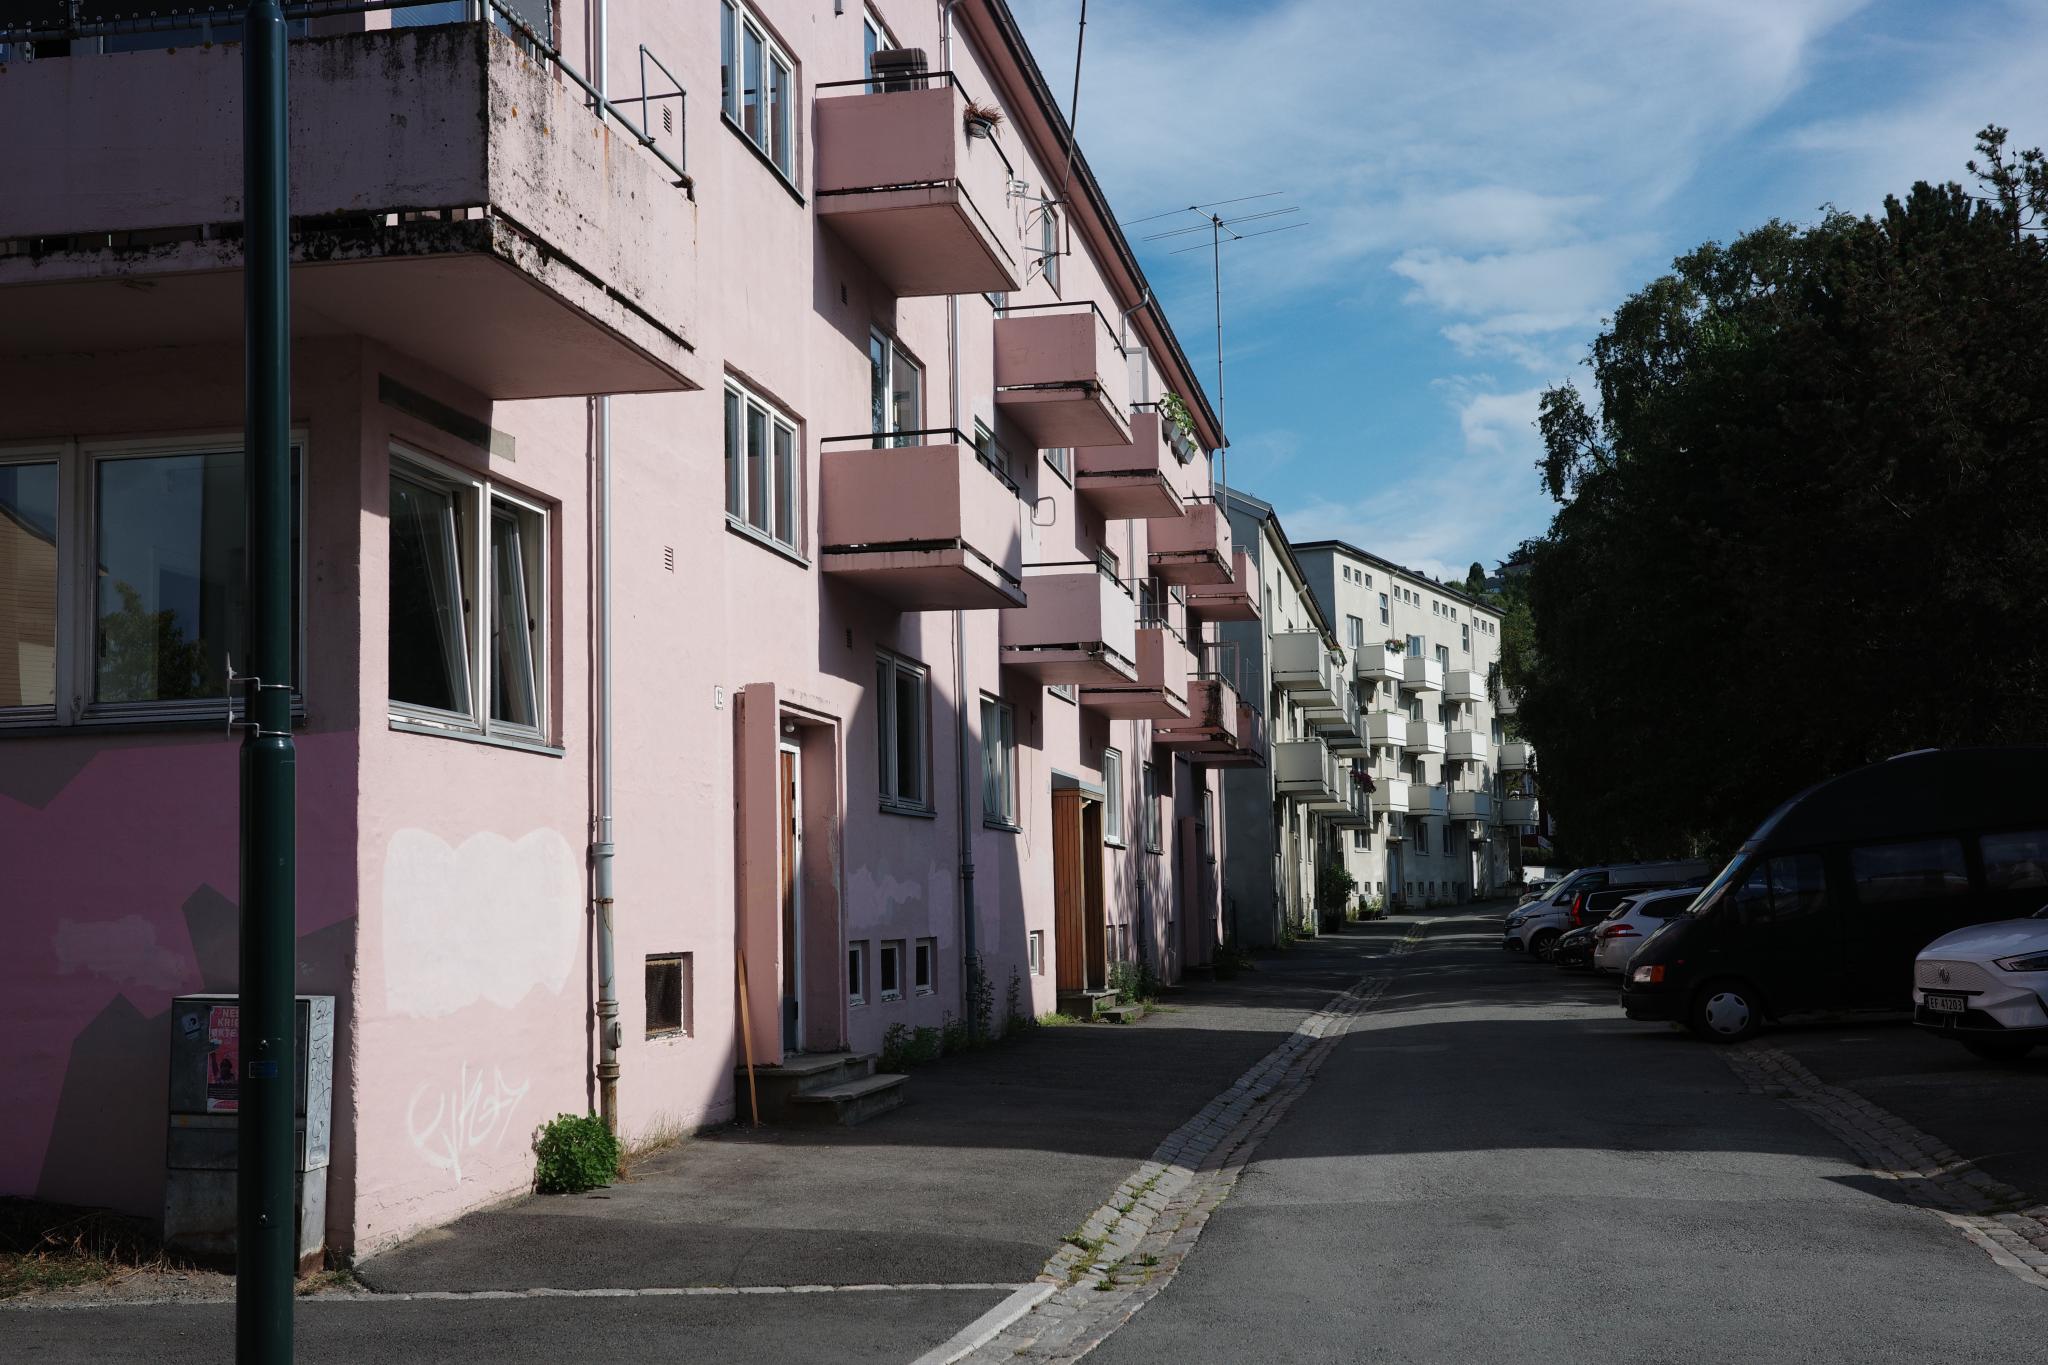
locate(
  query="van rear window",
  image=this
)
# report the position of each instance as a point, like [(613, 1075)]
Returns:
[(1926, 869), (2016, 862)]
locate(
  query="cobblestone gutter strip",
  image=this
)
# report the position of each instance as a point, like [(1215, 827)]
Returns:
[(1130, 1248), (2008, 1224)]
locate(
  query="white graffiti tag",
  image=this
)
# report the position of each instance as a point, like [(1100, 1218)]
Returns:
[(466, 1119)]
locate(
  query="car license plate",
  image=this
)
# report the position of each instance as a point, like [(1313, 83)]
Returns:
[(1946, 1004)]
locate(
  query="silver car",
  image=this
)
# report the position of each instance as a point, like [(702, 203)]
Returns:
[(1635, 921)]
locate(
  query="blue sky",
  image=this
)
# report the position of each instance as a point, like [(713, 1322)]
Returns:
[(1481, 181)]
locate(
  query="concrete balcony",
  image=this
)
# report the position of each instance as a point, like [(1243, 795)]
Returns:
[(1464, 685), (1237, 600), (901, 182), (1467, 746), (453, 199), (1159, 692), (1471, 806), (1518, 810), (1508, 704), (1356, 812), (1306, 770), (1300, 665), (1344, 739), (1421, 675), (1247, 750), (1193, 549), (1425, 737), (1138, 481), (1517, 757), (1428, 798), (1391, 796), (1387, 729), (1078, 625), (928, 527), (1062, 377), (1220, 729), (1375, 664)]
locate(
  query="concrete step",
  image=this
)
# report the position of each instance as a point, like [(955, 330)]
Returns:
[(1086, 1005), (801, 1074), (1120, 1014), (849, 1102)]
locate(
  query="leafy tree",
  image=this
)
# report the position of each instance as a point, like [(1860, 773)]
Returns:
[(1802, 528), (144, 655), (1475, 579)]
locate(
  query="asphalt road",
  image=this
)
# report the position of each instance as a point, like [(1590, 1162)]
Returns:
[(1498, 1167)]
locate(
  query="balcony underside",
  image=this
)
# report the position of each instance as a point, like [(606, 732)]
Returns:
[(476, 298), (1192, 568), (923, 240), (1136, 703), (924, 577), (1065, 415), (1129, 495), (1232, 601), (1086, 664)]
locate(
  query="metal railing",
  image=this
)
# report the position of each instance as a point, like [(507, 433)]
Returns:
[(911, 437), (67, 21), (897, 82), (1008, 309)]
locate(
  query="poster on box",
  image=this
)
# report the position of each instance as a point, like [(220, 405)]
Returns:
[(224, 1060)]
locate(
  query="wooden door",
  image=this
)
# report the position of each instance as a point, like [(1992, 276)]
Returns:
[(1069, 894), (1094, 912), (790, 874)]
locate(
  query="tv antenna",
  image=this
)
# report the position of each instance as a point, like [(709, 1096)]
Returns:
[(1222, 228)]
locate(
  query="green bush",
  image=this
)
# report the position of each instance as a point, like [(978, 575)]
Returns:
[(1133, 981), (573, 1153)]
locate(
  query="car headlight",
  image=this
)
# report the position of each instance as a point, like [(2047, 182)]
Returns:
[(1647, 976), (1516, 921), (2030, 962)]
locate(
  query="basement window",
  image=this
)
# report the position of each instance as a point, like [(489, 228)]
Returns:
[(668, 995), (892, 971), (924, 965), (1034, 952)]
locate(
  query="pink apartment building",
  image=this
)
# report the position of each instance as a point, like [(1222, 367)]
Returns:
[(805, 438)]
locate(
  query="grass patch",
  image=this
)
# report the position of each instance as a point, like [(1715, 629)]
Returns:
[(1056, 1019), (56, 1246), (344, 1278)]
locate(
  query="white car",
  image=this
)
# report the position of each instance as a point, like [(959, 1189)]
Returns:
[(1535, 925), (1987, 986), (1626, 929)]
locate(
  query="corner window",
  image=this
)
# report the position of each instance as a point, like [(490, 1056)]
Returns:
[(451, 665), (757, 86), (857, 973), (762, 478), (998, 763), (924, 966), (892, 971), (896, 391), (904, 733), (1112, 797)]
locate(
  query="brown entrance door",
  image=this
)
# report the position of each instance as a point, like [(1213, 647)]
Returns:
[(790, 888), (1094, 917), (1078, 935)]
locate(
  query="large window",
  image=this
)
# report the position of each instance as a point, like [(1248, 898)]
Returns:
[(903, 733), (1415, 646), (468, 602), (761, 469), (896, 390), (874, 38), (757, 86), (124, 580), (998, 763), (1356, 627), (1049, 244), (1112, 797), (1927, 869)]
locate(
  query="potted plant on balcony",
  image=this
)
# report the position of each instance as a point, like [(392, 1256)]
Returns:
[(981, 120), (1180, 425)]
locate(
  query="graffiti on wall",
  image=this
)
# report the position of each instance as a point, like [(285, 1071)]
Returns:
[(489, 919), (463, 1121)]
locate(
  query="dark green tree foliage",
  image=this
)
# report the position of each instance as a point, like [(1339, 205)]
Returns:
[(1806, 527)]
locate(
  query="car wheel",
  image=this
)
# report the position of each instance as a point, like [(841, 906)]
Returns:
[(1544, 944), (1998, 1049), (1726, 1012)]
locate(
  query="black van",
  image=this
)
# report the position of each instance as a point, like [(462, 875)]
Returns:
[(1827, 903)]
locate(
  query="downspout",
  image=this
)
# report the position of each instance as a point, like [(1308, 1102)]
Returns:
[(601, 847), (1123, 326), (970, 952)]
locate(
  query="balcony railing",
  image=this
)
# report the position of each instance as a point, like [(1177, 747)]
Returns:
[(1464, 685), (901, 182), (459, 195), (1062, 376), (1428, 798), (1518, 810), (1391, 796), (1421, 675), (927, 526), (1193, 548), (1425, 737), (1387, 729), (1377, 664), (1471, 805), (1300, 664), (1237, 600), (1160, 691), (1516, 756), (1467, 746), (1079, 625), (1306, 770), (1145, 479)]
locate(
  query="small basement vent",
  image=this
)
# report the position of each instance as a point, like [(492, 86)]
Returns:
[(668, 558), (668, 994)]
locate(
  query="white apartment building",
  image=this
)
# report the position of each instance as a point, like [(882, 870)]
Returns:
[(1448, 803)]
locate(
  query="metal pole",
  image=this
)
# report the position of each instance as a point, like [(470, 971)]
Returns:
[(265, 1215)]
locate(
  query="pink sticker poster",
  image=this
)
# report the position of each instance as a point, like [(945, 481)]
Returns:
[(224, 1061)]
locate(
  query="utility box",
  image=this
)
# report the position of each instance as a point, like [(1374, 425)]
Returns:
[(200, 1153)]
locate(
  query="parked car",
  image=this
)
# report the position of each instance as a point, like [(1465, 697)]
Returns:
[(1626, 929), (1987, 986), (1574, 947), (1827, 905), (1531, 928), (1538, 889)]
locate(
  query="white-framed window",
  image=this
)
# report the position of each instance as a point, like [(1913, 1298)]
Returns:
[(1415, 646), (1112, 797), (1465, 636), (1443, 655), (1034, 952), (1357, 628), (874, 38), (1049, 243), (992, 454), (924, 966), (903, 727), (1365, 578), (998, 763), (857, 972), (459, 542), (1385, 615), (670, 987), (891, 982), (1150, 814), (896, 390), (123, 590), (1061, 458), (757, 86), (763, 471)]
